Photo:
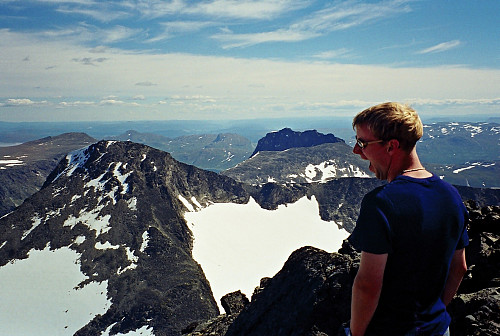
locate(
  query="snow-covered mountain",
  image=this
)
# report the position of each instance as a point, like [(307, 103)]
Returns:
[(463, 153), (319, 163), (460, 142)]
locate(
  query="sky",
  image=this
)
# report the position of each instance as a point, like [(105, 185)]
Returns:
[(71, 60)]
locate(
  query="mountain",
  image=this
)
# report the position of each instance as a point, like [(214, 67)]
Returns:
[(123, 238), (207, 151), (24, 168), (449, 143), (462, 153), (287, 138), (115, 208), (288, 157), (473, 174)]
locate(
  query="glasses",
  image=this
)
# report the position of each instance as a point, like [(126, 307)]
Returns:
[(362, 144)]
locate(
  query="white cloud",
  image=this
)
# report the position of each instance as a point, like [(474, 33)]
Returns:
[(171, 29), (76, 103), (454, 101), (231, 40), (117, 102), (118, 33), (348, 14), (23, 102), (445, 46), (245, 9), (145, 84), (343, 15), (332, 54), (100, 14)]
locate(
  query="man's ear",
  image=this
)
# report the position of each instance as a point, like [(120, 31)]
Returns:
[(392, 144)]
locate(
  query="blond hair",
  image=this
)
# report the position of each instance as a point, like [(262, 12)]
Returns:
[(392, 121)]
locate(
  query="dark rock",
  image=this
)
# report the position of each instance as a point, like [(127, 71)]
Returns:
[(233, 303), (310, 294), (476, 313)]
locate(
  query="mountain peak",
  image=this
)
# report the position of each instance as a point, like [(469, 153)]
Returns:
[(286, 138)]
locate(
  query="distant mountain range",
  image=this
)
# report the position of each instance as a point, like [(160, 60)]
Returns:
[(207, 151), (284, 156)]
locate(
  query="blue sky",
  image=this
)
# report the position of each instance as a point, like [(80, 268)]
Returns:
[(224, 59)]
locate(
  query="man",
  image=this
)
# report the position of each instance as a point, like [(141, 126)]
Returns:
[(411, 232)]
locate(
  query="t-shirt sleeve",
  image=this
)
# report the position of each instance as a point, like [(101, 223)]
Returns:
[(372, 233)]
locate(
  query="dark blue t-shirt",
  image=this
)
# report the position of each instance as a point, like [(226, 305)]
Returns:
[(419, 223)]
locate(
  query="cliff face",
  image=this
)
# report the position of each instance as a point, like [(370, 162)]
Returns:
[(311, 294)]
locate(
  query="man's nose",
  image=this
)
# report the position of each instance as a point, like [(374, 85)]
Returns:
[(356, 149)]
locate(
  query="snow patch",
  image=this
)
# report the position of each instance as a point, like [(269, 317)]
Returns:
[(196, 203), (132, 258), (79, 240), (328, 170), (145, 240), (11, 163), (106, 246), (76, 159), (143, 331), (238, 244), (43, 288), (36, 221), (132, 203), (74, 198), (122, 177), (92, 219), (186, 203)]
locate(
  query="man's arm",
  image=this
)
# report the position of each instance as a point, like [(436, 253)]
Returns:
[(458, 267), (366, 291)]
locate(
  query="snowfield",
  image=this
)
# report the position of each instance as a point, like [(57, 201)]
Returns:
[(39, 296), (238, 244)]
